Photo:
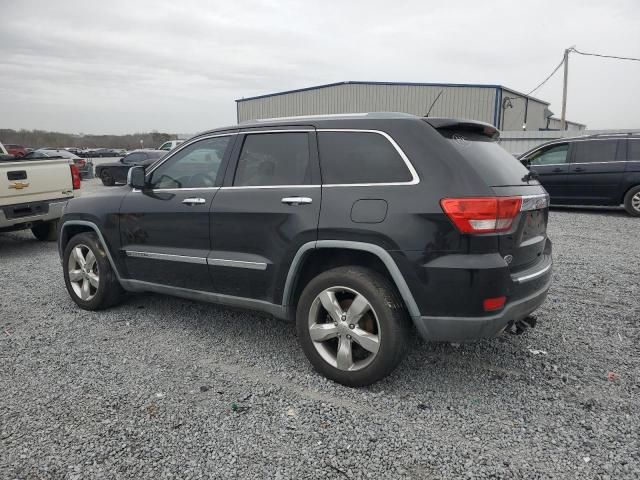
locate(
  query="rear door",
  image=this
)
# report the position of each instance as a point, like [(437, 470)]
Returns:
[(164, 229), (596, 171), (268, 208), (551, 163)]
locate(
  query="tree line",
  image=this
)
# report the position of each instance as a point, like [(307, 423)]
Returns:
[(42, 138)]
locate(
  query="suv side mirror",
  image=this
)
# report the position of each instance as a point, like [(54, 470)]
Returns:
[(135, 178)]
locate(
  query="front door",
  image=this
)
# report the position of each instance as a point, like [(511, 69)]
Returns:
[(268, 207), (595, 172), (551, 165), (164, 229)]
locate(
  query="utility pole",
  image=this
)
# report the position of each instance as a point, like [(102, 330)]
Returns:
[(563, 117)]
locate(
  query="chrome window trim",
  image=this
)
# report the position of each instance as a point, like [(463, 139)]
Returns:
[(222, 262), (166, 256), (415, 179)]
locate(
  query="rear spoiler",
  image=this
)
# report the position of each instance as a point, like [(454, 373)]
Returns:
[(463, 125)]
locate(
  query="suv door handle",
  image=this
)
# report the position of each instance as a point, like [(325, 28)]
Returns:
[(194, 201), (579, 169), (556, 170), (296, 200)]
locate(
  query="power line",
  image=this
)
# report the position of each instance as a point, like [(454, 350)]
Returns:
[(547, 79), (572, 49)]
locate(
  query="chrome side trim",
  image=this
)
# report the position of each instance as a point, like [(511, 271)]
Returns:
[(380, 252), (222, 262), (95, 228), (269, 186), (203, 296), (166, 256), (414, 175), (531, 276)]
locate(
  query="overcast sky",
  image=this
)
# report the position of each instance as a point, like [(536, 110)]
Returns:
[(124, 66)]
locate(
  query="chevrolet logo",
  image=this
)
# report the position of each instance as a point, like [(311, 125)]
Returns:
[(19, 185)]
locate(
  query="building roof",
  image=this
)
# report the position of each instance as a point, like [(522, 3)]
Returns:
[(405, 84)]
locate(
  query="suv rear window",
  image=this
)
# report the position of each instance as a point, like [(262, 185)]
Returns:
[(492, 163), (360, 157)]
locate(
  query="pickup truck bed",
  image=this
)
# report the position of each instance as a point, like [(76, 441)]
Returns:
[(33, 194)]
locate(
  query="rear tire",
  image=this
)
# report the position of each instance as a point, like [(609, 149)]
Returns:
[(632, 201), (364, 338), (90, 280), (46, 231), (107, 178)]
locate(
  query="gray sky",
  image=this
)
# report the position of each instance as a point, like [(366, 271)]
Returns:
[(125, 66)]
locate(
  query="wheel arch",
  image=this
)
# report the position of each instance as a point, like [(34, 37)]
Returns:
[(71, 228), (380, 260)]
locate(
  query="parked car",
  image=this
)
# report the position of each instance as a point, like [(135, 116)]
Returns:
[(16, 150), (85, 166), (116, 172), (353, 226), (33, 193), (590, 170), (170, 145)]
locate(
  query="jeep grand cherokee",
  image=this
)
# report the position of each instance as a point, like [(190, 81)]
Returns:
[(355, 226)]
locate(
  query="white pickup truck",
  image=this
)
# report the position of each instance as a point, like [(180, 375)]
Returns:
[(34, 192)]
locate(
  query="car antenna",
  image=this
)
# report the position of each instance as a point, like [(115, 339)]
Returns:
[(434, 102)]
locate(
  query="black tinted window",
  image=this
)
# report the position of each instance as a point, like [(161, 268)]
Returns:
[(195, 166), (595, 151), (491, 162), (360, 157), (274, 159), (634, 150), (550, 155)]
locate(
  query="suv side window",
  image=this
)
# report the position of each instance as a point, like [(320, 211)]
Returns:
[(270, 159), (360, 157), (634, 149), (195, 166), (589, 151), (552, 155)]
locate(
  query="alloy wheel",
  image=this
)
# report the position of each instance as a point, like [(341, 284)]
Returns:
[(635, 202), (83, 272), (344, 328)]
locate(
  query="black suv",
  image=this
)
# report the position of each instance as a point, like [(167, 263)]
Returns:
[(590, 170), (356, 226)]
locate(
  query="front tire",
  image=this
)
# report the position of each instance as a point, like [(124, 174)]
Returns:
[(352, 325), (46, 231), (90, 280), (632, 201)]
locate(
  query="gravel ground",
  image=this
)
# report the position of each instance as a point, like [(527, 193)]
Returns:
[(162, 387)]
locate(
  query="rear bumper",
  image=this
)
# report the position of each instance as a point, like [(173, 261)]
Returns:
[(456, 329), (53, 211)]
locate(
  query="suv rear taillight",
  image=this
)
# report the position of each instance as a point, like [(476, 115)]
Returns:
[(482, 214), (75, 176)]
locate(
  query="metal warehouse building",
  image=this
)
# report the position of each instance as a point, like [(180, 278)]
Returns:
[(503, 107)]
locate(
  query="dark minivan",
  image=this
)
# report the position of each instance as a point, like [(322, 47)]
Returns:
[(357, 227), (590, 170)]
